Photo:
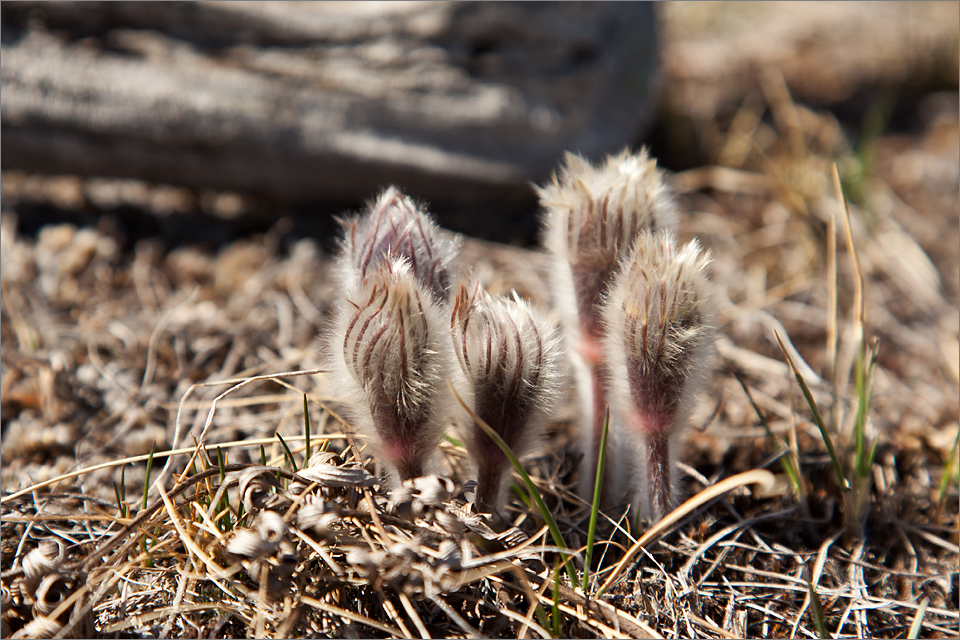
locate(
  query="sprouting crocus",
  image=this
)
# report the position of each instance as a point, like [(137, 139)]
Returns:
[(394, 225), (390, 354), (509, 355), (658, 346), (592, 216)]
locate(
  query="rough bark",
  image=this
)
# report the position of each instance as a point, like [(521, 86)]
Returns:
[(307, 101)]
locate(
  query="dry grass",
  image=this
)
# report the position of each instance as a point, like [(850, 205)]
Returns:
[(100, 353)]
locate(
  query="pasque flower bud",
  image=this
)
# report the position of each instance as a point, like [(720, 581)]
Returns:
[(658, 346), (394, 225), (390, 352), (592, 216), (509, 355)]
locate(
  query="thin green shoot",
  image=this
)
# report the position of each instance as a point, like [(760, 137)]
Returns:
[(556, 603), (542, 616), (144, 550), (521, 495), (263, 456), (287, 453), (121, 506), (146, 482), (531, 487), (818, 620), (917, 623), (224, 504), (827, 440), (788, 461), (947, 475), (453, 441), (866, 367), (123, 491), (306, 430), (595, 507)]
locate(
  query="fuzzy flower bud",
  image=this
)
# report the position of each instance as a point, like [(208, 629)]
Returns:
[(592, 216), (394, 225), (390, 354), (509, 355), (658, 346)]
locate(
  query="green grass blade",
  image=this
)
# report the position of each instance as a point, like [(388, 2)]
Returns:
[(556, 603), (146, 482), (787, 460), (453, 441), (522, 495), (287, 452), (947, 475), (866, 367), (595, 507), (542, 616), (818, 619), (224, 505), (116, 492), (827, 440), (918, 619), (306, 430), (531, 487)]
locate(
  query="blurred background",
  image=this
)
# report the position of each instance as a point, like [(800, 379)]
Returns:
[(204, 122)]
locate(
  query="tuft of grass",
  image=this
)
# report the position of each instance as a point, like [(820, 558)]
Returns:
[(856, 482), (789, 461), (817, 417)]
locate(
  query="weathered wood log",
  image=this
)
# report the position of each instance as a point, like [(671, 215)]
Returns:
[(314, 101)]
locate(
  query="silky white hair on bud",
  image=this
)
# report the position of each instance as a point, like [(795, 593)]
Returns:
[(389, 351), (658, 345), (393, 225), (592, 214), (509, 355)]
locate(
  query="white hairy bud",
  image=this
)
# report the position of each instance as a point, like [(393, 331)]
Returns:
[(509, 355), (593, 213), (658, 345), (390, 354), (394, 226)]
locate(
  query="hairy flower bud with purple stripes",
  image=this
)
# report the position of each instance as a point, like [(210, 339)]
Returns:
[(593, 213), (394, 225), (390, 352), (509, 355), (658, 346)]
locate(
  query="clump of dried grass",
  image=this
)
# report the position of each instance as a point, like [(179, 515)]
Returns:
[(103, 352)]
